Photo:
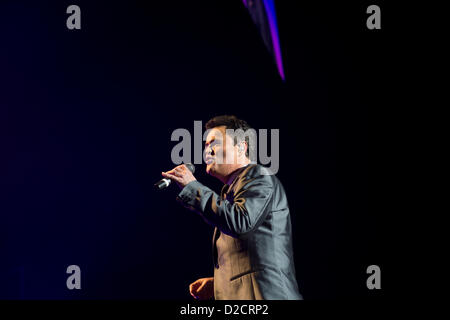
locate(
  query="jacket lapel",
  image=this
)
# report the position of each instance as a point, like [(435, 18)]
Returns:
[(216, 234)]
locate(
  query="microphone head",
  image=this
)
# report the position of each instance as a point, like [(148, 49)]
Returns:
[(163, 183), (190, 166)]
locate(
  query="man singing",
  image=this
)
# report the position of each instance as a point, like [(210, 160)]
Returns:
[(252, 243)]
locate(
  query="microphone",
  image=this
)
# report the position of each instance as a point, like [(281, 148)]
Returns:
[(164, 183)]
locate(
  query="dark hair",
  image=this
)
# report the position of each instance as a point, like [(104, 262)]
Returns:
[(231, 122)]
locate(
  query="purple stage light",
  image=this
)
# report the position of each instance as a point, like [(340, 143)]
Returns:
[(255, 9)]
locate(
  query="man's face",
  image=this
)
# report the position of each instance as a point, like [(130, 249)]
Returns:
[(220, 152)]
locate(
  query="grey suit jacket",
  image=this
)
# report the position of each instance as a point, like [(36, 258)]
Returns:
[(252, 245)]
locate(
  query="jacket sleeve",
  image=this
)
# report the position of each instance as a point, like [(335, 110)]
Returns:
[(236, 217)]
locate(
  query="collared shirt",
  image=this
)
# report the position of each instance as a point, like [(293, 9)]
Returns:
[(235, 174)]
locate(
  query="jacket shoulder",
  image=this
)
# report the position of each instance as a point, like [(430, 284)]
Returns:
[(260, 173)]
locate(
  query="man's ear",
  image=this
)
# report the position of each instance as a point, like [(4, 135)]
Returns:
[(241, 147)]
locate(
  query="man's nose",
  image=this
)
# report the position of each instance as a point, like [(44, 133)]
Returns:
[(209, 151)]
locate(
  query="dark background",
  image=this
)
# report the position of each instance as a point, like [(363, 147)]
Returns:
[(85, 123)]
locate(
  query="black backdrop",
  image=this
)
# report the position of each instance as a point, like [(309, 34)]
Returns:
[(86, 118)]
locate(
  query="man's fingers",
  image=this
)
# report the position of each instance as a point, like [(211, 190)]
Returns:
[(172, 172), (193, 286), (193, 289), (172, 177), (180, 175), (201, 286), (178, 169), (181, 168), (169, 174)]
